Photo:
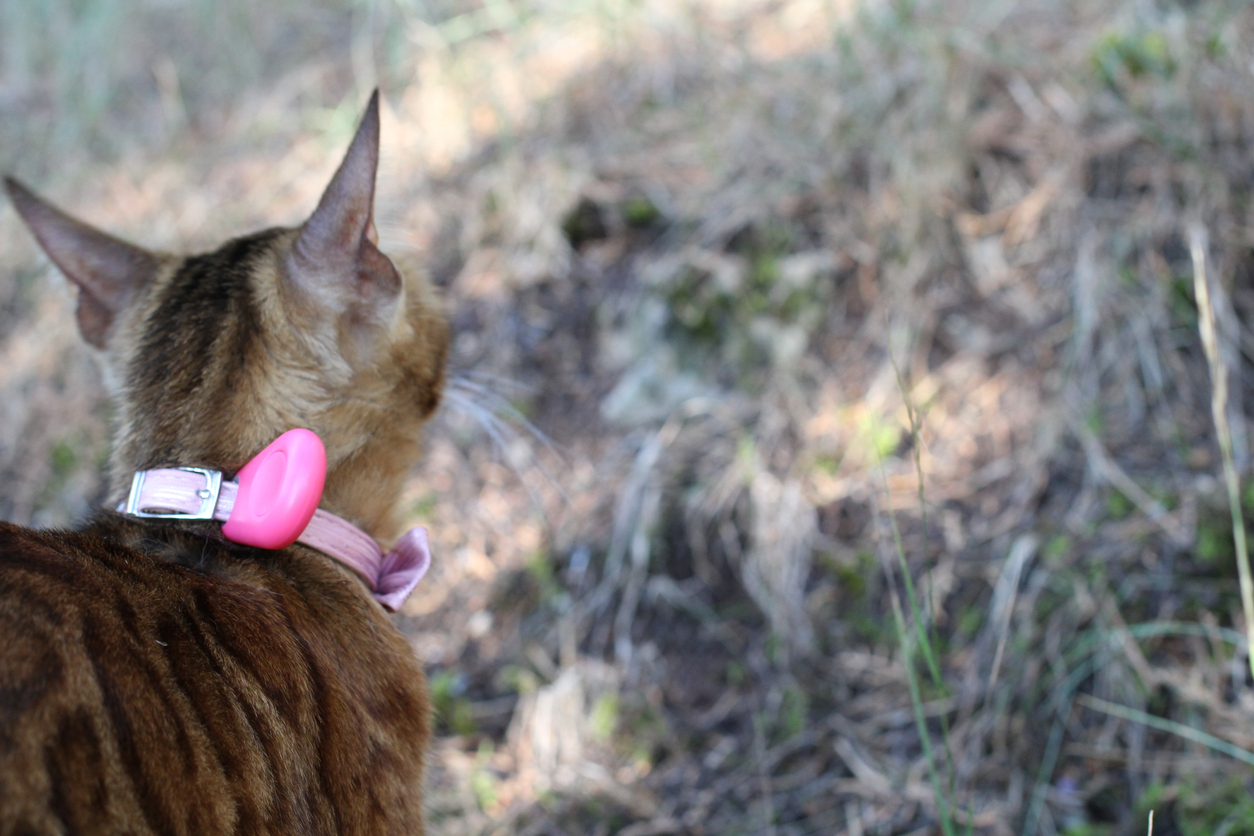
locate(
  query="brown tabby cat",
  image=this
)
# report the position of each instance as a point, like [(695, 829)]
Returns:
[(157, 678)]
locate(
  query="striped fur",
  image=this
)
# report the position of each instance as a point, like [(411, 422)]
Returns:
[(155, 678)]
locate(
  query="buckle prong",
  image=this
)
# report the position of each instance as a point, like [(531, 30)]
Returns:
[(207, 495)]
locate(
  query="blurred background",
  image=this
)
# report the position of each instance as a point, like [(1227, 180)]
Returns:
[(829, 445)]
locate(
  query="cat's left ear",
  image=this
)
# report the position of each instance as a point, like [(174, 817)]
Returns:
[(108, 271), (334, 263)]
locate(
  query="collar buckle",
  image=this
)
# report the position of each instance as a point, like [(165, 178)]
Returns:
[(208, 496)]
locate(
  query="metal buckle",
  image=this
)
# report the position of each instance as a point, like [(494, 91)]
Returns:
[(208, 495)]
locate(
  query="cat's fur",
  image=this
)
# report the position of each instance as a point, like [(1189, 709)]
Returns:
[(155, 678)]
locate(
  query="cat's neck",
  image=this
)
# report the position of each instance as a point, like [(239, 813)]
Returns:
[(368, 497)]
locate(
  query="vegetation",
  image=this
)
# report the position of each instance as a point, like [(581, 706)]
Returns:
[(830, 443)]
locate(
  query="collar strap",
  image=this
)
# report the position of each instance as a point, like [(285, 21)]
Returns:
[(199, 493)]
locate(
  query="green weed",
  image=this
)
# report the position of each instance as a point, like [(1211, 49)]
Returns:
[(1118, 506), (452, 709), (827, 464), (793, 710), (1056, 548), (541, 571), (482, 781), (1214, 543), (882, 437), (639, 212), (747, 315), (603, 720), (1132, 55), (1205, 811), (62, 460), (425, 506)]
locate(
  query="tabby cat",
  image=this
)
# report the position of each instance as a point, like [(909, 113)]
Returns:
[(158, 678)]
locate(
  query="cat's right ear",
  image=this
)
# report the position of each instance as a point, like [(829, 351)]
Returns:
[(108, 271), (334, 266)]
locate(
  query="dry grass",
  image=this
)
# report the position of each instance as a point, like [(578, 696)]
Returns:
[(683, 246)]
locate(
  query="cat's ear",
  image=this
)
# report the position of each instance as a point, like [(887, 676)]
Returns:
[(108, 271), (334, 262)]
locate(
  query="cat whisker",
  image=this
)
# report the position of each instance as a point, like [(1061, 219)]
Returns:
[(499, 420), (487, 395)]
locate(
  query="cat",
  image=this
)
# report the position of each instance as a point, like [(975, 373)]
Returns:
[(158, 678)]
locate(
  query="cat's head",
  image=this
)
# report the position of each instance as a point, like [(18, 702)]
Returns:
[(212, 356)]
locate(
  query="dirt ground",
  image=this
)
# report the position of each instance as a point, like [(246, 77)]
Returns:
[(829, 446)]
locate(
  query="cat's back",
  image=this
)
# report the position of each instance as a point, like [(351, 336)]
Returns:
[(158, 697)]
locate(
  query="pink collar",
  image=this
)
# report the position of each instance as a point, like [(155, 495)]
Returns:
[(199, 493)]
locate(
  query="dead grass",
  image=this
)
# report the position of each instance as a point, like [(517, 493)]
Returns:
[(683, 245)]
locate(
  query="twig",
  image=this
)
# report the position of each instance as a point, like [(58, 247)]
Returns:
[(1106, 469), (1219, 412), (1004, 594), (877, 782), (905, 639), (1134, 715), (1046, 772), (764, 782)]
